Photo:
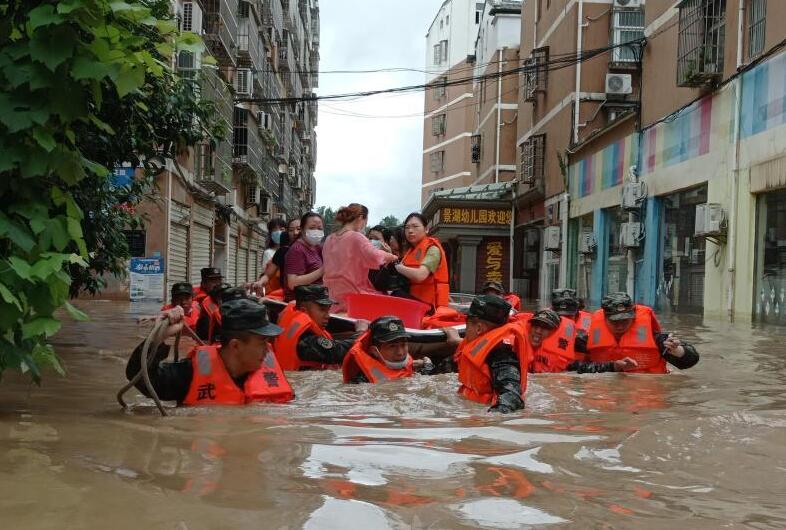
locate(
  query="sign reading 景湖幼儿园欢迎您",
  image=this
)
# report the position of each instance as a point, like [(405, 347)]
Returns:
[(475, 216), (147, 279)]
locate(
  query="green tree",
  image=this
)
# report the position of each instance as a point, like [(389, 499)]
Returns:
[(390, 221), (84, 85), (329, 218)]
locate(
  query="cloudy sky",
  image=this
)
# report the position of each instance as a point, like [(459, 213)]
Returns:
[(375, 161)]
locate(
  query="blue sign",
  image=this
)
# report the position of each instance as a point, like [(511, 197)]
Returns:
[(122, 176), (147, 265)]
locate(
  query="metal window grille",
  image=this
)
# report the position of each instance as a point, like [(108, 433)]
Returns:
[(701, 40), (444, 49), (437, 160), (536, 73), (438, 124), (476, 145), (440, 88), (628, 26), (187, 65), (188, 16), (532, 158), (757, 13), (437, 53), (240, 133)]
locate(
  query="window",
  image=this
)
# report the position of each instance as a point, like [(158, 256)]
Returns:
[(444, 45), (135, 239), (440, 88), (757, 12), (532, 158), (438, 124), (477, 17), (476, 144), (188, 16), (536, 73), (701, 40), (437, 161), (628, 26), (241, 132), (438, 53), (447, 19)]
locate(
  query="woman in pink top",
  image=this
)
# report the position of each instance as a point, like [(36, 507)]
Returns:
[(348, 256)]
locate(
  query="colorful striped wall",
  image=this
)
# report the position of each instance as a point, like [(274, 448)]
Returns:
[(605, 169), (764, 97)]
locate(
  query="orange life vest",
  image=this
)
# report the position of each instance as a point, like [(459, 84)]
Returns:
[(191, 318), (443, 317), (473, 372), (557, 350), (213, 312), (435, 289), (211, 384), (199, 294), (521, 317), (583, 320), (295, 323), (638, 342), (358, 360), (514, 300)]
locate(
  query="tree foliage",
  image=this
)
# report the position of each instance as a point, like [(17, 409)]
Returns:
[(328, 217), (84, 86), (390, 221)]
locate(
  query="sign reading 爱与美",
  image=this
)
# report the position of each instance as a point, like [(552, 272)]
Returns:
[(475, 216)]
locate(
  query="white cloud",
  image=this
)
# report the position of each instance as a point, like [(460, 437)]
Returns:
[(374, 161)]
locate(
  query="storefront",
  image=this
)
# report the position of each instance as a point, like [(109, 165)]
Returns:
[(770, 289)]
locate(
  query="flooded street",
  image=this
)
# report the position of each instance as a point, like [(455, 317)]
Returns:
[(701, 449)]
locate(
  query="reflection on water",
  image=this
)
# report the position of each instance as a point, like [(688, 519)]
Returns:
[(700, 449)]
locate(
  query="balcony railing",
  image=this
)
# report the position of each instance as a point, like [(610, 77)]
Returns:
[(220, 25), (247, 145), (249, 49)]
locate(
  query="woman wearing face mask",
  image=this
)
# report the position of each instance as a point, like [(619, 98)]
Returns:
[(303, 262), (275, 228), (424, 264), (349, 256)]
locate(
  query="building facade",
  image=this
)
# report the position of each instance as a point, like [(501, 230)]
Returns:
[(218, 196)]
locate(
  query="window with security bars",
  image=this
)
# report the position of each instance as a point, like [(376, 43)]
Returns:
[(532, 158), (437, 54), (536, 73), (757, 13), (627, 27), (188, 16), (476, 144), (440, 88), (437, 161), (702, 35), (240, 136), (444, 50), (438, 125)]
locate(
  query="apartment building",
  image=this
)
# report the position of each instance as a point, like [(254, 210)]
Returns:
[(699, 224), (220, 194)]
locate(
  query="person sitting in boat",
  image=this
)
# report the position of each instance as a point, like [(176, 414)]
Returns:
[(349, 255), (183, 296), (567, 304), (380, 354), (425, 264), (497, 289), (274, 268), (208, 326), (550, 347), (492, 358), (387, 279), (303, 264), (623, 329), (306, 344), (242, 369), (210, 276)]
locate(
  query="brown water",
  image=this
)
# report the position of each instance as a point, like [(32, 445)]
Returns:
[(701, 449)]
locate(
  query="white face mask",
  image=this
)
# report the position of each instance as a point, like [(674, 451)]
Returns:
[(397, 366), (314, 237)]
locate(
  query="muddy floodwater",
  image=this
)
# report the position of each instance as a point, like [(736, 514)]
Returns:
[(705, 448)]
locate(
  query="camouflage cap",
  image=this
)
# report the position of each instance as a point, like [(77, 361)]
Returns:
[(217, 291), (233, 293), (388, 329), (547, 318), (565, 302), (618, 306), (210, 272), (490, 308), (313, 293), (182, 288), (246, 315), (493, 286)]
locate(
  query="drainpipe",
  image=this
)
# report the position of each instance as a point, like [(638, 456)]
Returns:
[(579, 49), (168, 231), (499, 113)]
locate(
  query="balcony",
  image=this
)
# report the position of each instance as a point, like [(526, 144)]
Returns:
[(220, 26), (272, 16), (249, 48), (701, 42), (247, 145), (212, 87)]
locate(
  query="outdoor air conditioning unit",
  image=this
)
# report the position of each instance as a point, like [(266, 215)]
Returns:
[(710, 220), (618, 84), (264, 205), (633, 193), (243, 81), (630, 235), (551, 238), (191, 18), (587, 243), (627, 4)]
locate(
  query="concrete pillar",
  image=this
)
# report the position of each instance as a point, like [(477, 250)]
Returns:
[(468, 247), (647, 279), (600, 266)]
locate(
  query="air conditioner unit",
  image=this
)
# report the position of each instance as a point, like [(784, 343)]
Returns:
[(710, 220), (627, 4), (292, 172), (264, 205), (191, 18), (630, 235), (618, 84), (632, 195), (587, 243), (243, 81), (551, 238)]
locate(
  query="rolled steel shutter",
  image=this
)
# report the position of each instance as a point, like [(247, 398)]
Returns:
[(201, 240), (231, 272), (178, 244), (253, 265), (242, 262)]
